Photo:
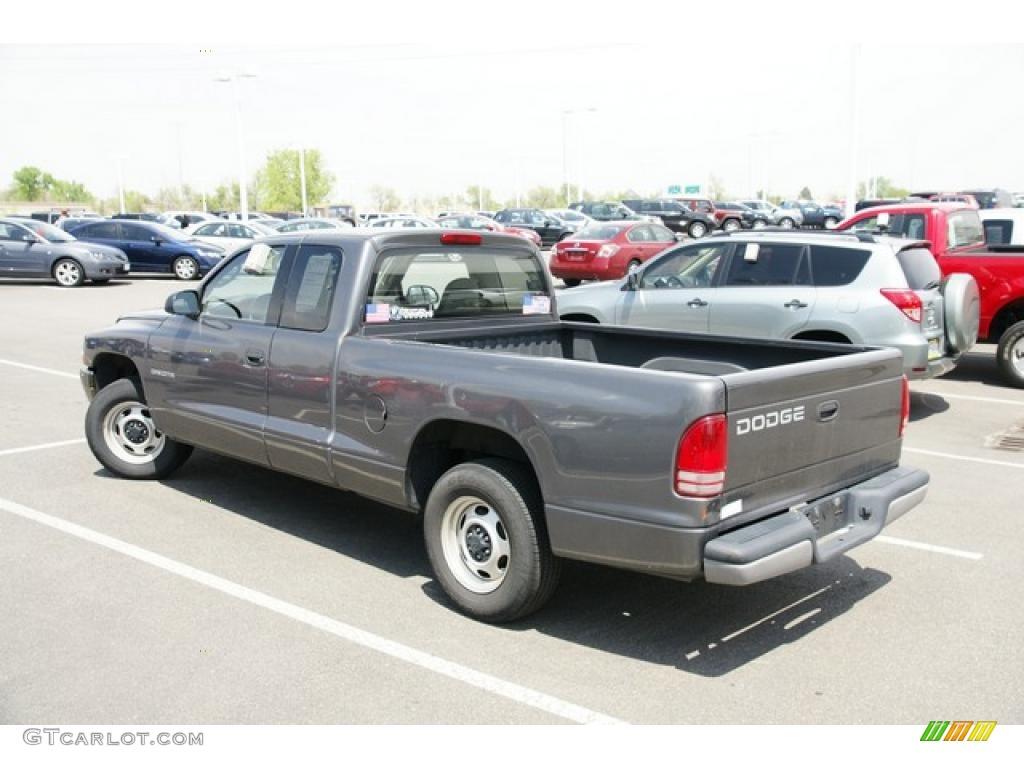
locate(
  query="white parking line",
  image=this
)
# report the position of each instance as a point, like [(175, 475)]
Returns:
[(41, 447), (929, 547), (36, 368), (481, 680), (974, 398), (958, 457)]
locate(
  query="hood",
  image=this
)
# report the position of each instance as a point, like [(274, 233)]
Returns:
[(589, 293), (82, 246), (158, 315)]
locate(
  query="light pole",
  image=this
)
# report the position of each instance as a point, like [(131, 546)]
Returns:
[(565, 143), (120, 180), (243, 192), (851, 182), (302, 180)]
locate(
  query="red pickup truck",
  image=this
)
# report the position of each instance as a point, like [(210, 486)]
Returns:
[(957, 240)]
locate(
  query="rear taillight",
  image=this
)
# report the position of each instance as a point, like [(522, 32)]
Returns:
[(701, 458), (908, 302), (461, 238), (905, 407), (607, 250)]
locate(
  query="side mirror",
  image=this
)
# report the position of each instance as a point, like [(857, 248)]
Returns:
[(156, 239), (421, 296), (29, 238), (184, 303)]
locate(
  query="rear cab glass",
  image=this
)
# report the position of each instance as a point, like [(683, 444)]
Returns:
[(964, 228), (450, 282)]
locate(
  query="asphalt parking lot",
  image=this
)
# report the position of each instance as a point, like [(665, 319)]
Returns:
[(230, 594)]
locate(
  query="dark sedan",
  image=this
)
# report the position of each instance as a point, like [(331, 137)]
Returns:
[(153, 247), (37, 249), (549, 229)]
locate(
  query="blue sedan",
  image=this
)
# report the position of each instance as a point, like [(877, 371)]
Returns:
[(153, 247)]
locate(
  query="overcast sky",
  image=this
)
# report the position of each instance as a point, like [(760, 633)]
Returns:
[(436, 106)]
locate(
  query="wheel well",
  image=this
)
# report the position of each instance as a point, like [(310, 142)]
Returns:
[(578, 318), (110, 368), (442, 444), (1005, 317), (833, 336)]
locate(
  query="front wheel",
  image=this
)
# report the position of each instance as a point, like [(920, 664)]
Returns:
[(487, 542), (123, 437), (831, 222), (697, 230), (185, 268), (787, 223), (1010, 354), (730, 225), (68, 273)]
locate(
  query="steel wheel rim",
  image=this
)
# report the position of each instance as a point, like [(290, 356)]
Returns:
[(185, 269), (67, 273), (475, 544), (731, 226), (698, 230), (786, 224), (1016, 354), (131, 435)]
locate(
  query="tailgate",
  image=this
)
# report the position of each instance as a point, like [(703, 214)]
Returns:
[(800, 431)]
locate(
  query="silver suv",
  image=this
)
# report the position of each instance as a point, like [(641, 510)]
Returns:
[(828, 286)]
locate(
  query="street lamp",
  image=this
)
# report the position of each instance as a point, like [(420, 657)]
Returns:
[(243, 192), (119, 159), (565, 141), (302, 180)]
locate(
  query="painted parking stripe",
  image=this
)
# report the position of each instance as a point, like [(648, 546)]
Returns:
[(38, 369), (958, 457), (41, 447), (929, 547), (973, 398), (472, 677)]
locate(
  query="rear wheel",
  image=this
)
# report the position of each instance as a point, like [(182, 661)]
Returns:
[(571, 282), (100, 280), (760, 224), (1010, 354), (185, 268), (730, 225), (697, 229), (123, 437), (487, 542), (633, 265), (831, 222), (787, 223), (68, 273)]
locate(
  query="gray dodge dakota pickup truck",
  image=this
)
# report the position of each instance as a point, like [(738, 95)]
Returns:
[(428, 370)]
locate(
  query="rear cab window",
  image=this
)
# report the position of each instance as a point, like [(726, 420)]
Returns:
[(963, 228), (452, 282)]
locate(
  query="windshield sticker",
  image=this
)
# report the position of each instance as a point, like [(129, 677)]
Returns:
[(411, 313), (536, 305), (378, 313)]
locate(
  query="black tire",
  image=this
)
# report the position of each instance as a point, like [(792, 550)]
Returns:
[(100, 280), (731, 225), (1010, 354), (68, 273), (185, 268), (787, 223), (126, 395), (571, 282), (506, 489), (831, 222), (697, 229)]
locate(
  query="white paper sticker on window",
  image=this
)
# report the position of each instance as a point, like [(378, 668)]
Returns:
[(536, 305)]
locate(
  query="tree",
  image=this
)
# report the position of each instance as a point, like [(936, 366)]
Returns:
[(28, 183), (481, 198), (70, 191), (805, 194), (716, 189), (544, 197), (883, 188), (278, 183), (385, 199)]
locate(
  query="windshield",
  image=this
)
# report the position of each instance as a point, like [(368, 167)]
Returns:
[(49, 232), (414, 285), (598, 232)]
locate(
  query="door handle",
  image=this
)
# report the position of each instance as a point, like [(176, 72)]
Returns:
[(795, 304), (698, 302), (254, 358)]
